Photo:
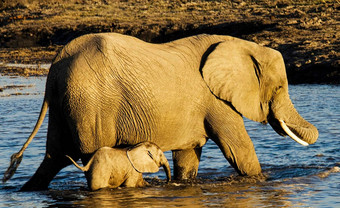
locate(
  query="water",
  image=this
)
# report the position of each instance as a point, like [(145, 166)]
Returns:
[(32, 66), (297, 176)]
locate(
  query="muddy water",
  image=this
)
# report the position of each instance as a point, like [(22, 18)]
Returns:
[(297, 176)]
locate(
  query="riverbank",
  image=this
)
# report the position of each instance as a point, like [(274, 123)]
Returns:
[(306, 32)]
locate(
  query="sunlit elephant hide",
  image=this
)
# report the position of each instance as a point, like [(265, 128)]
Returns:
[(110, 89), (114, 167)]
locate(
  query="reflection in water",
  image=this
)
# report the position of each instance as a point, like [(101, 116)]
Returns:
[(294, 175), (198, 195), (227, 191)]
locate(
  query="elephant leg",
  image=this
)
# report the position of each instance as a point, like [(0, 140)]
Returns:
[(226, 128), (45, 173), (186, 163), (135, 180), (58, 144)]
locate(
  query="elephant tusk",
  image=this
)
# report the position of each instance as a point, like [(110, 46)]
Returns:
[(291, 134)]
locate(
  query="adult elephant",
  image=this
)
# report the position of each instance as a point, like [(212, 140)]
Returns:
[(111, 90)]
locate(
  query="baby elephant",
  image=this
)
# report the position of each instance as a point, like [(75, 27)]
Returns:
[(113, 167)]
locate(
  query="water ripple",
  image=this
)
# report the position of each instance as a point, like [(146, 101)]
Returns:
[(295, 175)]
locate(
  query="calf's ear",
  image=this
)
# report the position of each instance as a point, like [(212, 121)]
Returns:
[(142, 159)]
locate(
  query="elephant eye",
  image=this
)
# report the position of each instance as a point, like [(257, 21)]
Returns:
[(276, 90), (150, 154)]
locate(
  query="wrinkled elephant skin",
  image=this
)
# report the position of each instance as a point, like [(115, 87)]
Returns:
[(114, 167), (109, 90)]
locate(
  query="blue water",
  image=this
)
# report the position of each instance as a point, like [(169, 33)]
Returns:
[(297, 176)]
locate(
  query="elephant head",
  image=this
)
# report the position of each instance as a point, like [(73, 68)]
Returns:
[(148, 157), (253, 80)]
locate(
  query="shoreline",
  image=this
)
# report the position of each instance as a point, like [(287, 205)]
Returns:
[(306, 33)]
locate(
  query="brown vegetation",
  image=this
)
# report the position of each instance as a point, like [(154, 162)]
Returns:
[(306, 32)]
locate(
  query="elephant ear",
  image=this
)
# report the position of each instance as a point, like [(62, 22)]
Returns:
[(233, 73), (142, 159)]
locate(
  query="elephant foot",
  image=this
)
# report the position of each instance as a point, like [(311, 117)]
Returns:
[(32, 185), (186, 163), (45, 173), (183, 174)]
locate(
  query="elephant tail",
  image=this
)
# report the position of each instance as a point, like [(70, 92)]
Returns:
[(17, 157), (85, 168)]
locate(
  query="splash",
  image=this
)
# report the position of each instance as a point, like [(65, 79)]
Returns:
[(326, 173)]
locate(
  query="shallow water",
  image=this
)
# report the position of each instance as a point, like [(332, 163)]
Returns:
[(32, 66), (297, 176)]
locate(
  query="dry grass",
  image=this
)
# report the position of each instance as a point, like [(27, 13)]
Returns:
[(305, 31), (119, 15)]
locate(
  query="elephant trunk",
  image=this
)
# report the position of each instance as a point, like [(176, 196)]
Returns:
[(166, 167), (304, 135), (287, 121)]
